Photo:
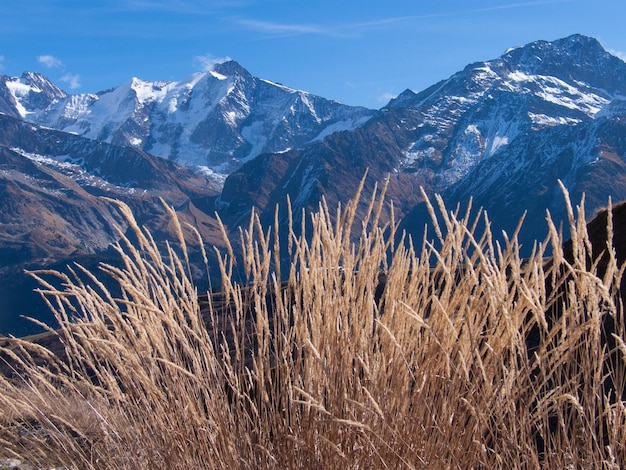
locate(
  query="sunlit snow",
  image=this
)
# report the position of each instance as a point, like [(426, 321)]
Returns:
[(19, 91), (72, 168)]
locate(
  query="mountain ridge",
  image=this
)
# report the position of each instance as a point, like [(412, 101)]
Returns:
[(442, 138), (213, 120)]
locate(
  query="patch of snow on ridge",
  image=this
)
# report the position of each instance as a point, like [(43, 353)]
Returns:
[(309, 178), (518, 76), (498, 132), (282, 87), (46, 160), (218, 178), (309, 105), (465, 155), (544, 120), (20, 91), (149, 91), (347, 125), (72, 168), (497, 142), (511, 49), (217, 75), (254, 135), (484, 76), (424, 155), (78, 105), (559, 92), (569, 97)]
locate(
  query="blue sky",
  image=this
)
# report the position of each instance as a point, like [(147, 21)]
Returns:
[(359, 52)]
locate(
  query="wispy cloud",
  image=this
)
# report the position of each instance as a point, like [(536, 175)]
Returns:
[(208, 61), (49, 61), (1, 62), (285, 28), (616, 53), (522, 5), (351, 29), (73, 80), (384, 98), (331, 30)]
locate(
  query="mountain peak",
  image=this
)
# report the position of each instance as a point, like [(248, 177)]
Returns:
[(39, 83), (230, 68), (579, 42), (30, 93), (572, 44), (32, 76), (215, 119), (399, 101), (577, 52)]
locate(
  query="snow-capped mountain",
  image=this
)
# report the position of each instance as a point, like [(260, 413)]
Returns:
[(214, 120), (483, 108), (444, 137), (26, 95), (589, 158)]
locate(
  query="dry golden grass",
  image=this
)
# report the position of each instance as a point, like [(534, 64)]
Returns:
[(469, 358)]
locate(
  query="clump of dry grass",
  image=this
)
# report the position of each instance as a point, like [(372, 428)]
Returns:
[(368, 356)]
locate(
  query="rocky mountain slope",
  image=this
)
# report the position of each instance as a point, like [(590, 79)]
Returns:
[(502, 131), (212, 120), (52, 209), (589, 158)]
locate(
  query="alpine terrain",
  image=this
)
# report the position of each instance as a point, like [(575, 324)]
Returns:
[(501, 132)]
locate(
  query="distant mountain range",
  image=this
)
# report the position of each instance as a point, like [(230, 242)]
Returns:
[(502, 132), (213, 121)]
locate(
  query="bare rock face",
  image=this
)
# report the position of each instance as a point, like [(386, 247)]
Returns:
[(598, 236)]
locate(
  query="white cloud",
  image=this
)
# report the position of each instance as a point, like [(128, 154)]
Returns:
[(49, 61), (386, 97), (207, 61), (620, 54), (73, 80)]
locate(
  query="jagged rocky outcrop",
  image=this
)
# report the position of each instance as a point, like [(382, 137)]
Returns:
[(31, 93)]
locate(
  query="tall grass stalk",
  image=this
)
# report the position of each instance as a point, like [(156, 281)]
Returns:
[(372, 354)]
